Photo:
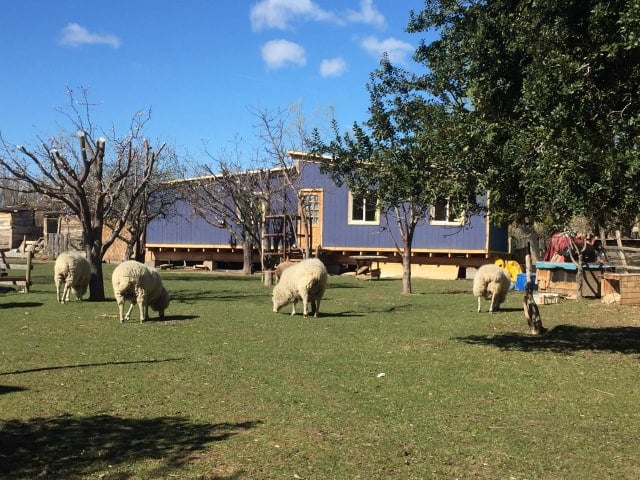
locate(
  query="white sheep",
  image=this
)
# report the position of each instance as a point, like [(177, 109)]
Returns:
[(282, 266), (306, 281), (74, 271), (139, 284), (491, 282)]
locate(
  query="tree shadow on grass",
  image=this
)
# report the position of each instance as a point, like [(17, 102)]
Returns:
[(10, 389), (190, 296), (87, 365), (170, 319), (21, 304), (566, 339), (79, 447)]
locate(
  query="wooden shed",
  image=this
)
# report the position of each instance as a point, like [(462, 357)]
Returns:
[(64, 232), (61, 233), (16, 224)]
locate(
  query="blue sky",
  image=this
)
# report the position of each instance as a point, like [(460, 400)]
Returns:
[(199, 65)]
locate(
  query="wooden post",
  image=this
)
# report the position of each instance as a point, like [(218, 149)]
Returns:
[(623, 259), (527, 262), (268, 277), (28, 274)]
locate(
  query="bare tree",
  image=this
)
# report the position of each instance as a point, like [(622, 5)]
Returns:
[(228, 194), (84, 178), (155, 201), (280, 133)]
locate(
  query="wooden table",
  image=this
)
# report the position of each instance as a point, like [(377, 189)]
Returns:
[(365, 268)]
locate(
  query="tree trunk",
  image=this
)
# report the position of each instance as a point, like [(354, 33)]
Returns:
[(93, 251), (127, 252), (94, 256), (406, 271), (580, 274), (247, 254)]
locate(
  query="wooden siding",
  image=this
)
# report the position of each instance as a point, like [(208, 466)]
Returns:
[(338, 233), (16, 224), (189, 237), (185, 229)]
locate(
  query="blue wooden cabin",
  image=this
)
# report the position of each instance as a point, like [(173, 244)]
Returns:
[(342, 226)]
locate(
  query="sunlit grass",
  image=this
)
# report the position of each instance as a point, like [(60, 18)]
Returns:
[(382, 385)]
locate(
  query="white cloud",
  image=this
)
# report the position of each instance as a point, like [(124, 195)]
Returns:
[(279, 13), (333, 67), (367, 14), (74, 35), (280, 53), (397, 50)]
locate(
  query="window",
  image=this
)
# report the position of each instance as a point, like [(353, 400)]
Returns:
[(363, 209), (445, 213), (311, 205)]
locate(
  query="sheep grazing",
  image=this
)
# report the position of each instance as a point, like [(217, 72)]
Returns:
[(74, 271), (306, 281), (491, 282), (282, 266), (139, 284)]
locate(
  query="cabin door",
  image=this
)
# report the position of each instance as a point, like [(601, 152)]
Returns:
[(311, 236)]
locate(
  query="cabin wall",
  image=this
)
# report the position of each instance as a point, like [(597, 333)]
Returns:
[(337, 233), (190, 238), (186, 229)]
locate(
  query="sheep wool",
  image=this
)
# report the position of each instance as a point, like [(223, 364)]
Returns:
[(491, 282), (282, 266), (141, 285), (306, 281), (74, 271)]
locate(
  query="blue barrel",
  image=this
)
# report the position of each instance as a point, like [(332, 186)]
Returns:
[(521, 281)]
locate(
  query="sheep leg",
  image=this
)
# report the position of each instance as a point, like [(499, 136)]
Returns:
[(293, 307), (479, 304), (141, 299), (66, 292), (315, 308), (58, 298), (128, 315), (120, 302), (491, 307)]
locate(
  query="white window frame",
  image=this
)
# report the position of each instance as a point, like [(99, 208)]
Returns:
[(361, 221), (457, 221)]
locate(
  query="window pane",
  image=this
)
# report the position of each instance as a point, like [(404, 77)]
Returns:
[(357, 211), (440, 211), (370, 211)]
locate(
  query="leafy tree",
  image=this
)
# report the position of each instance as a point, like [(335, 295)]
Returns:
[(85, 178), (405, 154), (551, 101)]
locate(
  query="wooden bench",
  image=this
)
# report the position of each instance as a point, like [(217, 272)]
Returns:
[(365, 268), (15, 269)]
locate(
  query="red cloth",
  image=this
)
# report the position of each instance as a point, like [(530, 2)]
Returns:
[(557, 243)]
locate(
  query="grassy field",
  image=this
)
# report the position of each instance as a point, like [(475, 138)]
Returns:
[(381, 386)]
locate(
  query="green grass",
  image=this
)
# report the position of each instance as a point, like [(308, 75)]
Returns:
[(225, 389)]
